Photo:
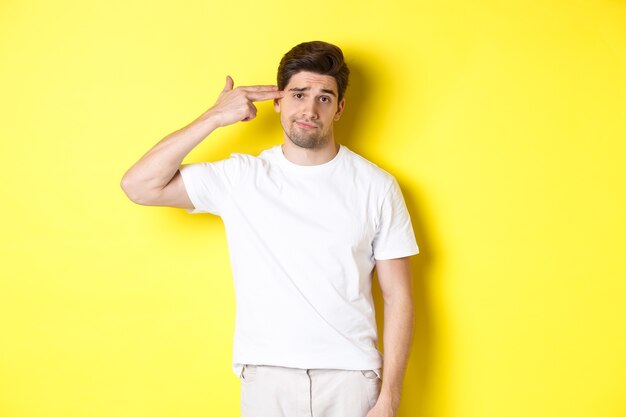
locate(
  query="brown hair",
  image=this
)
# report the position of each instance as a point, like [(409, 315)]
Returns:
[(315, 56)]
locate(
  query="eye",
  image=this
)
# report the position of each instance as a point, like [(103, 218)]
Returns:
[(324, 99), (298, 95)]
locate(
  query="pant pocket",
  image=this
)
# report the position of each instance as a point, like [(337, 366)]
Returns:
[(248, 374), (372, 385), (369, 374)]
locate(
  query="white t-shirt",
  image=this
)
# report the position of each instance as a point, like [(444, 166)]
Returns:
[(303, 241)]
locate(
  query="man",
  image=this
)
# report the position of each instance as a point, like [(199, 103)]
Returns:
[(306, 222)]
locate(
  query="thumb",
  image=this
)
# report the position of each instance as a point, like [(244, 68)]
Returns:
[(229, 83)]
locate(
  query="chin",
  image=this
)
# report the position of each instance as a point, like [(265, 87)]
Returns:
[(306, 143)]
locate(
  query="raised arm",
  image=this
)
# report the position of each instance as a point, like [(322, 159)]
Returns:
[(155, 179)]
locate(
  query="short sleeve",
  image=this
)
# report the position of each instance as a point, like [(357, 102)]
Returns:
[(394, 236), (209, 184)]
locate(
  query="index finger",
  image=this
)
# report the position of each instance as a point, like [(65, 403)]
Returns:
[(264, 95), (259, 87)]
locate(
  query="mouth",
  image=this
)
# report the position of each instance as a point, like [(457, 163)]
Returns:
[(304, 125)]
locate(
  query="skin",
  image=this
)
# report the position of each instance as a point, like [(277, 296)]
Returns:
[(308, 109), (154, 180), (394, 278)]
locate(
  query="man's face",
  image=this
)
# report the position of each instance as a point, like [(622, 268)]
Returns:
[(309, 108)]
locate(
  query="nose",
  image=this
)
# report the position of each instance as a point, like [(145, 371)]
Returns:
[(309, 109)]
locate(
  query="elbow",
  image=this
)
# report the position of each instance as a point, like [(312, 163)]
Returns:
[(130, 189), (138, 191), (400, 298)]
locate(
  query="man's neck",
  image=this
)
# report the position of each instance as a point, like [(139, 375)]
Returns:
[(305, 156)]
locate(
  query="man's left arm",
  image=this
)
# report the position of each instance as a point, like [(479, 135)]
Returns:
[(394, 277)]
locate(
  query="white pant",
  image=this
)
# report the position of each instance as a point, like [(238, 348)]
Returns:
[(275, 391)]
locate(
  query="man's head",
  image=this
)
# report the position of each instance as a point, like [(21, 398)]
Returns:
[(314, 77), (318, 57)]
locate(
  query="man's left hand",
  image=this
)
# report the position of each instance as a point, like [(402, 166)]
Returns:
[(382, 409)]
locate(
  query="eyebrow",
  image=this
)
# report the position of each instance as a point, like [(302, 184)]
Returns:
[(324, 90)]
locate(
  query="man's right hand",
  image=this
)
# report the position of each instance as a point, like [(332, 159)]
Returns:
[(236, 104), (154, 179)]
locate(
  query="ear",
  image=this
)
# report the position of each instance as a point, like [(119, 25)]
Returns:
[(340, 107), (277, 105)]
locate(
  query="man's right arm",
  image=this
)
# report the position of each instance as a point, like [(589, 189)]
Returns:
[(155, 179)]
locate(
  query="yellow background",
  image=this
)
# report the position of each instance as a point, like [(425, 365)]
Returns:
[(504, 123)]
